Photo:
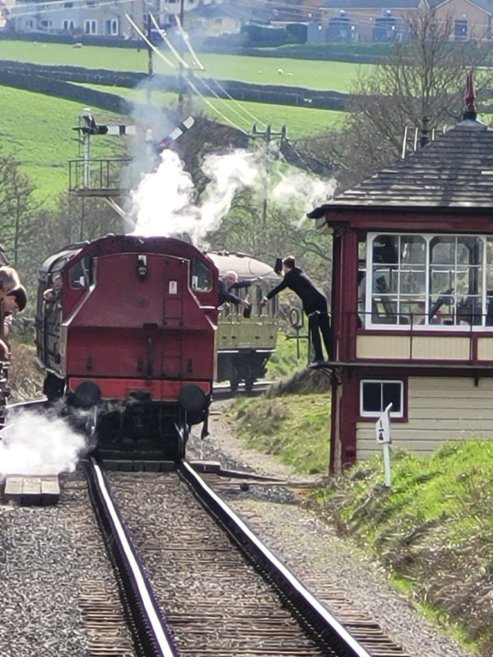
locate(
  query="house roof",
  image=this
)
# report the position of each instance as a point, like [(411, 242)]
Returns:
[(485, 5), (232, 10), (454, 171), (371, 4)]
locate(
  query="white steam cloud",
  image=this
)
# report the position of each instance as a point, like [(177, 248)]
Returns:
[(38, 444), (164, 204), (300, 187)]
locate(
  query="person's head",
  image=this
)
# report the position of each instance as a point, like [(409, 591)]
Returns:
[(288, 263), (9, 279), (15, 300), (230, 278)]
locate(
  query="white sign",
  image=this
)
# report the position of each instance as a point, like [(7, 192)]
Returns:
[(384, 438), (382, 427), (173, 287)]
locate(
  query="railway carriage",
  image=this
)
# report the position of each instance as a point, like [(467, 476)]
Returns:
[(245, 344), (125, 330)]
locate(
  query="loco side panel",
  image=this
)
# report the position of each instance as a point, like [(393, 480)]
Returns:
[(128, 328)]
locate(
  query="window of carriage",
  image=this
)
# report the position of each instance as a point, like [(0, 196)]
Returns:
[(376, 395), (427, 280)]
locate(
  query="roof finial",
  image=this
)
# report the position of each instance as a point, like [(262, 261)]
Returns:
[(470, 100)]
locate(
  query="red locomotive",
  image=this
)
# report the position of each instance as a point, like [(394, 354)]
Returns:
[(125, 330)]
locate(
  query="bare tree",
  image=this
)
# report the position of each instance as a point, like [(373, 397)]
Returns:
[(244, 229), (17, 208), (422, 83), (72, 220)]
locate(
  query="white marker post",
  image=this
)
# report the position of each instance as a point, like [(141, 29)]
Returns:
[(384, 438)]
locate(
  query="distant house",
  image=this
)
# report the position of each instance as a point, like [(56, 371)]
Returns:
[(90, 18), (368, 20), (293, 10), (4, 14), (98, 18), (171, 8), (472, 19), (341, 28), (218, 19)]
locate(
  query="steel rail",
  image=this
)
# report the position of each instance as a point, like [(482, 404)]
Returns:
[(148, 623), (313, 613)]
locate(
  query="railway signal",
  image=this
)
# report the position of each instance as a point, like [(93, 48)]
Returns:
[(85, 168)]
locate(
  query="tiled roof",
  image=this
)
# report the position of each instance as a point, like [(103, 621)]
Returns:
[(485, 5), (454, 171), (371, 4)]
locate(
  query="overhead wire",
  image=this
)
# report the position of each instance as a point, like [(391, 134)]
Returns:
[(163, 36), (185, 65), (186, 39), (188, 81)]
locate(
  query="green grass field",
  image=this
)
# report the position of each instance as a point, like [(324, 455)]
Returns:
[(300, 121), (314, 74), (38, 129)]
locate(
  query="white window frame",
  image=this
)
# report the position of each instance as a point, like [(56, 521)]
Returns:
[(92, 23), (68, 24), (376, 414), (427, 237), (113, 25)]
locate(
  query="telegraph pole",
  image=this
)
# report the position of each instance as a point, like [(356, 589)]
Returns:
[(181, 93), (267, 135), (150, 63)]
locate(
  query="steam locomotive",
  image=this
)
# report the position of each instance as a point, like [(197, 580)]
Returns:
[(125, 331)]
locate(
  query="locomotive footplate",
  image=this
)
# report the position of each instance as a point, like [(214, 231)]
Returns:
[(32, 490)]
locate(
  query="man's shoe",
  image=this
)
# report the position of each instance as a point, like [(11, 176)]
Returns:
[(316, 363)]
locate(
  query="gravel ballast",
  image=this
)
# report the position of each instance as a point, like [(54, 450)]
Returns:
[(312, 549), (53, 570)]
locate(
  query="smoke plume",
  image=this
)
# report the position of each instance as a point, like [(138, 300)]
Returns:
[(164, 202), (38, 444)]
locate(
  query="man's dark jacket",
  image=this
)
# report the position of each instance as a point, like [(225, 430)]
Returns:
[(311, 297), (225, 293)]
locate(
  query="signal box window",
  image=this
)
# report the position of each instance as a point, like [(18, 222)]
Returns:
[(427, 280), (375, 396)]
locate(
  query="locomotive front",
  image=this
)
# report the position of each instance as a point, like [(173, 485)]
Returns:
[(126, 332)]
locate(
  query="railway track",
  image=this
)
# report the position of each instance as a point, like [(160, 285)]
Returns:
[(58, 589), (366, 630), (216, 602), (223, 390)]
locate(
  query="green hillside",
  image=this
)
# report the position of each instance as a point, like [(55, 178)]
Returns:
[(300, 121), (314, 74), (38, 130)]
